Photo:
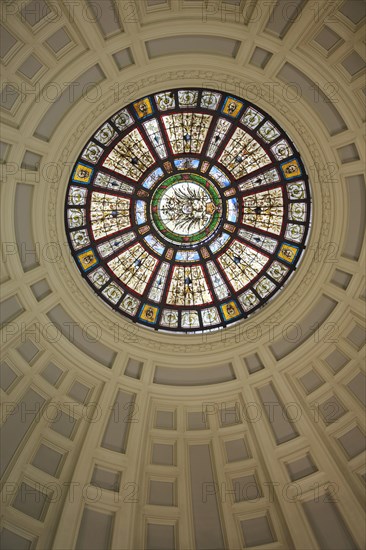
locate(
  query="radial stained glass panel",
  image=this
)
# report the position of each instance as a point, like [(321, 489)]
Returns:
[(188, 210)]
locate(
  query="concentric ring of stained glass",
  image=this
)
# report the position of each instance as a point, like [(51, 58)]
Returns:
[(188, 210)]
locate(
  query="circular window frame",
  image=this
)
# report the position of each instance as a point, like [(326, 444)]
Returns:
[(235, 118)]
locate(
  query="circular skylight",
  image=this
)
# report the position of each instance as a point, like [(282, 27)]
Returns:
[(188, 210)]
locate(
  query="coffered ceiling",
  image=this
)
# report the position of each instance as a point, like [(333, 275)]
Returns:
[(118, 436)]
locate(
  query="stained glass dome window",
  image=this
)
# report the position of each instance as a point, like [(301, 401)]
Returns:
[(188, 210)]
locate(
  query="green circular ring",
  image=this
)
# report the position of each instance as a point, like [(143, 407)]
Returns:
[(167, 233)]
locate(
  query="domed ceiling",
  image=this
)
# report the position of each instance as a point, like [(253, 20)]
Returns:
[(119, 436), (188, 209)]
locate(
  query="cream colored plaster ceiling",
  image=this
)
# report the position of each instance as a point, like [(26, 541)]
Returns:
[(120, 406)]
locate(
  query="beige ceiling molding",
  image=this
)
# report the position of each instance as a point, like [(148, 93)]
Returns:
[(322, 223)]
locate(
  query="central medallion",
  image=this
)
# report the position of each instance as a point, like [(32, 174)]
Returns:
[(186, 209)]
